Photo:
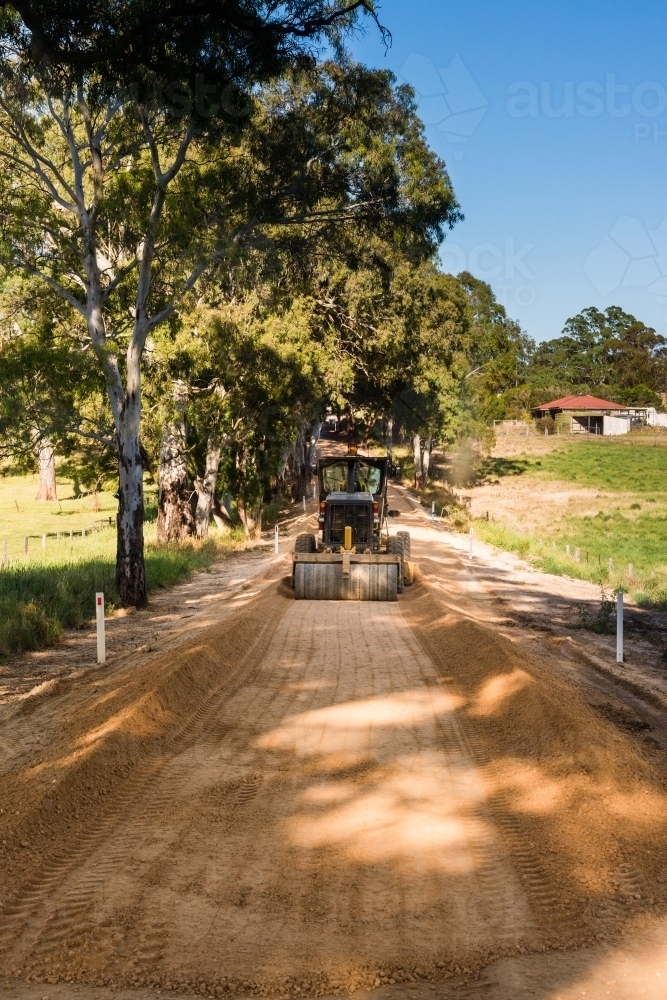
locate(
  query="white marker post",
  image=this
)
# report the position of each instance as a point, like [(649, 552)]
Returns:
[(304, 503), (275, 540), (314, 491), (619, 627), (433, 510), (472, 535), (99, 614)]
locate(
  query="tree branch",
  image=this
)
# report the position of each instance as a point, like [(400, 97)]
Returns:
[(51, 282)]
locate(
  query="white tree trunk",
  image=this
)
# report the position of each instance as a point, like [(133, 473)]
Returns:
[(416, 450), (426, 459), (389, 439), (315, 431), (130, 570), (47, 471), (175, 520), (206, 486)]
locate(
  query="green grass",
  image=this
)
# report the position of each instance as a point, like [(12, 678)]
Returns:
[(640, 542), (630, 526), (607, 465), (54, 587), (629, 533), (22, 515)]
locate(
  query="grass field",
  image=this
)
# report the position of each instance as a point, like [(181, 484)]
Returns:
[(629, 525), (606, 465), (53, 587)]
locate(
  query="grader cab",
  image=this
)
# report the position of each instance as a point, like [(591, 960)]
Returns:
[(353, 557)]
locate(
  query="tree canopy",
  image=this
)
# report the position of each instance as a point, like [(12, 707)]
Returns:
[(610, 354), (173, 44), (129, 212)]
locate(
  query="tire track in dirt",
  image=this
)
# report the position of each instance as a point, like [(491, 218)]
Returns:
[(354, 835), (341, 793), (46, 912), (538, 735)]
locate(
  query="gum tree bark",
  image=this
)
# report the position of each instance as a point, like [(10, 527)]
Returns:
[(47, 472), (416, 451), (220, 514), (315, 431), (297, 465), (206, 486), (426, 459), (389, 439), (175, 520), (126, 407), (247, 521)]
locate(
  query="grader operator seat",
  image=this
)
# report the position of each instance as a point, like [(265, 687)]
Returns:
[(353, 493)]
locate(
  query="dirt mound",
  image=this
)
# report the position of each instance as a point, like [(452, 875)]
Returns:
[(582, 811), (116, 729)]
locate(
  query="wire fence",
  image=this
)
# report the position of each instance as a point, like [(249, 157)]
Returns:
[(35, 546)]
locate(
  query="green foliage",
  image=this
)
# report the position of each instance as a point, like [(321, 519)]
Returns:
[(331, 157), (160, 46), (497, 348), (612, 354), (602, 621), (50, 390), (495, 353)]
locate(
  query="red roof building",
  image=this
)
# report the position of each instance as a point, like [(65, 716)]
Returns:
[(588, 415), (580, 404)]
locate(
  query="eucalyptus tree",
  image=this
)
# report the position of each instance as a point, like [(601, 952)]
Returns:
[(398, 333), (610, 353), (52, 397), (123, 205), (100, 108)]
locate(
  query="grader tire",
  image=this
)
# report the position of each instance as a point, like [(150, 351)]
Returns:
[(305, 543), (405, 535)]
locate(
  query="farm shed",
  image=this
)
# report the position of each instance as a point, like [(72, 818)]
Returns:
[(590, 415)]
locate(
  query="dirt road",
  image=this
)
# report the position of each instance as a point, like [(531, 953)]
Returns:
[(313, 798)]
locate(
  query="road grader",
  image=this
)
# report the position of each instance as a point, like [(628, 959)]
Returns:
[(353, 557)]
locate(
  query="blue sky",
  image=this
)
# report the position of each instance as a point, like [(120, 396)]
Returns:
[(552, 120)]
